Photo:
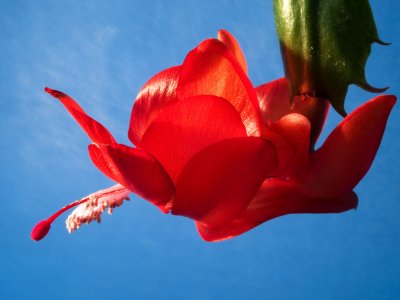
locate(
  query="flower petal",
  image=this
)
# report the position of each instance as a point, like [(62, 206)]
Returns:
[(348, 152), (290, 136), (275, 198), (136, 170), (218, 182), (185, 127), (229, 40), (158, 92), (211, 69), (96, 132), (274, 101)]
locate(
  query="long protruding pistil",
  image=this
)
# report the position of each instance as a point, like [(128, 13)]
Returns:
[(94, 205)]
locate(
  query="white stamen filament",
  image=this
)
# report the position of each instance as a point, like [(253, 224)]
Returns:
[(92, 209)]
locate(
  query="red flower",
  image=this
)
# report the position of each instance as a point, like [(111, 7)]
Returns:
[(212, 147)]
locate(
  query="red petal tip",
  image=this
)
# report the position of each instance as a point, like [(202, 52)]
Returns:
[(222, 32), (40, 230), (48, 90), (52, 92)]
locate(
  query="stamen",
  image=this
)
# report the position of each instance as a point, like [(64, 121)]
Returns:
[(90, 208)]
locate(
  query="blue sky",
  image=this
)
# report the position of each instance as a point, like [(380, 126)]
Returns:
[(101, 53)]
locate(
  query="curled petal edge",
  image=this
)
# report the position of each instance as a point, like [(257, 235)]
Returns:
[(211, 69), (136, 170), (275, 198), (348, 152), (229, 40)]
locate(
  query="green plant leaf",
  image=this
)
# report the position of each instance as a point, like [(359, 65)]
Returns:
[(325, 45)]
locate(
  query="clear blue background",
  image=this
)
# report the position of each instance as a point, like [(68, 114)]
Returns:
[(101, 53)]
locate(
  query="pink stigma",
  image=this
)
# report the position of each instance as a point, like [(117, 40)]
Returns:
[(40, 230)]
